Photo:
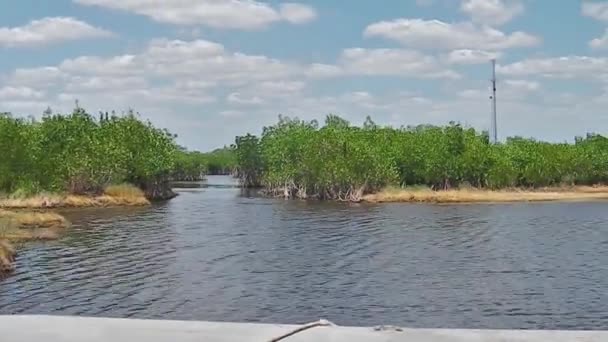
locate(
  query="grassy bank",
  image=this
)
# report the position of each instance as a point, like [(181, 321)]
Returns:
[(26, 226), (7, 257), (115, 195), (469, 195)]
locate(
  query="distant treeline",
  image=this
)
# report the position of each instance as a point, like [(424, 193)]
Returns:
[(82, 154), (193, 166), (302, 159)]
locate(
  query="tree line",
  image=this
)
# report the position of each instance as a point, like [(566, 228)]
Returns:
[(195, 165), (301, 159), (81, 153)]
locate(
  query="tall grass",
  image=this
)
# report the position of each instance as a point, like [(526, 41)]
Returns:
[(472, 195), (26, 226), (7, 256)]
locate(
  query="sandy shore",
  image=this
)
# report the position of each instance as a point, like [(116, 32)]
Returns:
[(488, 196)]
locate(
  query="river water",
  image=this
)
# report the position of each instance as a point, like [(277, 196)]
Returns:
[(215, 254)]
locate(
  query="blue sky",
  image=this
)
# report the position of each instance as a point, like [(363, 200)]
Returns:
[(212, 69)]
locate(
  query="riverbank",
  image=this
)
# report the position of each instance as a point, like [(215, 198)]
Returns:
[(471, 195), (19, 226), (118, 195)]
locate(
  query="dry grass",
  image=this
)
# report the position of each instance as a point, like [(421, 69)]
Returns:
[(117, 195), (38, 234), (33, 219), (26, 226), (477, 196), (7, 257), (124, 191)]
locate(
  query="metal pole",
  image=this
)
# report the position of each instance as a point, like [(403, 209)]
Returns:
[(494, 124)]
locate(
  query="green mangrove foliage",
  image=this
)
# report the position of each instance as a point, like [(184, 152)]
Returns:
[(194, 165), (221, 161), (189, 166), (79, 153), (295, 158)]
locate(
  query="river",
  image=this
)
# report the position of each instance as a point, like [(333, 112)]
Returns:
[(215, 254)]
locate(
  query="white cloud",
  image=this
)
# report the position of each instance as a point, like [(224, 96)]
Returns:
[(166, 73), (275, 87), (225, 14), (105, 83), (40, 77), (558, 67), (47, 31), (525, 85), (318, 70), (393, 62), (184, 60), (92, 65), (595, 10), (435, 34), (193, 85), (492, 12), (231, 113), (467, 56), (473, 94), (510, 90), (13, 93), (298, 13), (601, 42), (239, 99)]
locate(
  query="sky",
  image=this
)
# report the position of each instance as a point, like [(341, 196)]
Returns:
[(209, 70)]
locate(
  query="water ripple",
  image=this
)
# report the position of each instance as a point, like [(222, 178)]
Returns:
[(214, 254)]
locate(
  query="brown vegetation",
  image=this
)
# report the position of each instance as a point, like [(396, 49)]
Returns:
[(472, 195), (116, 195), (26, 226), (7, 257)]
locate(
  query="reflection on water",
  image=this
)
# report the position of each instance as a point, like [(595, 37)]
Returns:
[(208, 182), (213, 254)]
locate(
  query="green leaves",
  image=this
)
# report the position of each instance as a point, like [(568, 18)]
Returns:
[(299, 159), (80, 154)]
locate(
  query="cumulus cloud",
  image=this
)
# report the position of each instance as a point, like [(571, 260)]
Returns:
[(49, 31), (596, 10), (180, 60), (239, 99), (197, 71), (297, 13), (435, 34), (523, 85), (165, 73), (393, 62), (319, 70), (492, 12), (12, 93), (224, 14), (566, 67), (601, 42), (468, 56), (40, 76)]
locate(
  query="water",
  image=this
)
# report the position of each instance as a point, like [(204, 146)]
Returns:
[(212, 254)]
